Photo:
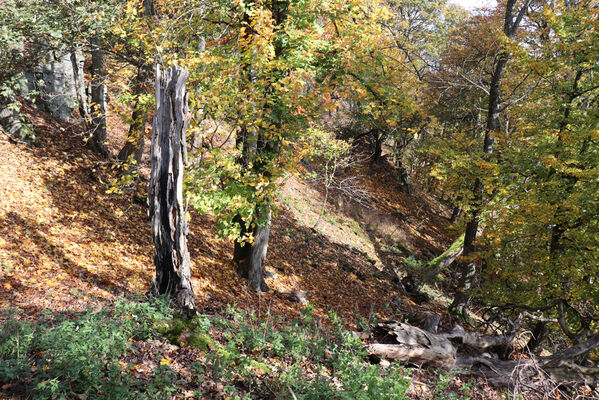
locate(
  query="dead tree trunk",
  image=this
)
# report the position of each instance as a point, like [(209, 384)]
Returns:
[(405, 342), (165, 194)]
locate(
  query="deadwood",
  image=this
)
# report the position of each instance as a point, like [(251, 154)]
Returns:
[(404, 342), (165, 194)]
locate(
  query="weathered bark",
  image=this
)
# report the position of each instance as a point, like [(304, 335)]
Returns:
[(529, 372), (133, 148), (97, 142), (165, 194), (407, 343)]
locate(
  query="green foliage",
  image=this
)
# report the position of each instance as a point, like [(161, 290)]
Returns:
[(194, 329), (257, 101), (337, 360), (544, 234), (26, 30), (538, 188), (62, 355)]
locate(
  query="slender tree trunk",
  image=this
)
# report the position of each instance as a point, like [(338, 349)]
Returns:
[(456, 213), (79, 89), (134, 146), (250, 257), (165, 194), (378, 147), (255, 147), (404, 178), (468, 273), (97, 142), (559, 227)]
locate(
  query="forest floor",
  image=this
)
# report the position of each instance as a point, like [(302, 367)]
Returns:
[(68, 243), (65, 241)]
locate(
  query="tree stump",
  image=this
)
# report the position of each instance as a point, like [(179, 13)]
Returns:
[(165, 194)]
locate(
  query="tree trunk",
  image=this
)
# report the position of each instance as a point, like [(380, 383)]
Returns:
[(165, 194), (250, 257), (79, 88), (404, 178), (256, 148), (455, 214), (134, 146), (378, 147), (468, 268), (97, 142)]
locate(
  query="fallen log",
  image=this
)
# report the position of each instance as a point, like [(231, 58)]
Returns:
[(404, 342), (414, 345)]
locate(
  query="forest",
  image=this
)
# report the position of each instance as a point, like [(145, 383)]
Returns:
[(299, 199)]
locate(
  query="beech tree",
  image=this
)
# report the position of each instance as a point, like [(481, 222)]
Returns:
[(543, 240), (513, 18), (261, 78)]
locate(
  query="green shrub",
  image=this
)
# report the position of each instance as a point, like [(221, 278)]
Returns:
[(63, 356), (337, 359)]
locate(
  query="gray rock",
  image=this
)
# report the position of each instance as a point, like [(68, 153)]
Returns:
[(55, 82), (298, 296), (16, 124)]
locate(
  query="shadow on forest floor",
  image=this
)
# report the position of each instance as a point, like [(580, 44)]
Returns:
[(66, 244)]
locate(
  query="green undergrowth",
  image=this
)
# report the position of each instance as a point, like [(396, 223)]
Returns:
[(64, 357), (242, 356)]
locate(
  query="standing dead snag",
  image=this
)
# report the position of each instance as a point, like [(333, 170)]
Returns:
[(165, 194)]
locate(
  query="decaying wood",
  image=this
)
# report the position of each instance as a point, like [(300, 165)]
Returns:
[(165, 194), (408, 343)]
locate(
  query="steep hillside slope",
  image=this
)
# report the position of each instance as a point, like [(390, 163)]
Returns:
[(66, 243)]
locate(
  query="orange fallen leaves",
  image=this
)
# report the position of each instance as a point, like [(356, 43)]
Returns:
[(65, 243)]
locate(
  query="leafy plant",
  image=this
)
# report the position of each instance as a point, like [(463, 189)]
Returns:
[(61, 355)]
